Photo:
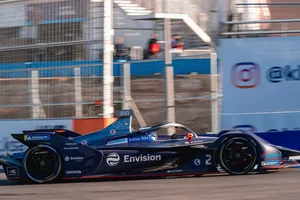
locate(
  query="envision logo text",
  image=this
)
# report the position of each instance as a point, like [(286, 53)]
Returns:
[(113, 159), (141, 158)]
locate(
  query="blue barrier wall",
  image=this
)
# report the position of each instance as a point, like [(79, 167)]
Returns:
[(288, 139), (66, 68)]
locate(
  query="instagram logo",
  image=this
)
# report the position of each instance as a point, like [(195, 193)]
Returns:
[(245, 75)]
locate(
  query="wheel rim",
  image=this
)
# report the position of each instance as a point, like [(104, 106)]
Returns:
[(238, 156), (42, 164)]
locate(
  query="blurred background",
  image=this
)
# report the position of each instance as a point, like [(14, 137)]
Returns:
[(53, 57)]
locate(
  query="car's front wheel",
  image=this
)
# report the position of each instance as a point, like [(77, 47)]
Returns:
[(42, 164), (238, 155)]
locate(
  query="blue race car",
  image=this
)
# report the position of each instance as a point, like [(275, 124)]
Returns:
[(118, 152)]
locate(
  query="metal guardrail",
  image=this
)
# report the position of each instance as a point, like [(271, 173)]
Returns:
[(46, 45), (270, 4), (263, 21), (259, 32), (263, 27)]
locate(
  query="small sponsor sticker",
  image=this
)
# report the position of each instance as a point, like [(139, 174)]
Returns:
[(119, 141), (124, 113), (12, 172), (197, 162), (143, 138), (116, 125), (113, 159), (71, 148), (112, 131), (270, 162), (77, 159), (175, 171), (196, 141), (83, 142), (270, 155), (71, 144), (36, 137), (73, 172)]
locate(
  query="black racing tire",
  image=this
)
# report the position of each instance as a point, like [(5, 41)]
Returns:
[(43, 164), (238, 161)]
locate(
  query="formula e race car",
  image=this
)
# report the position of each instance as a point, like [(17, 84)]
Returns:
[(118, 152)]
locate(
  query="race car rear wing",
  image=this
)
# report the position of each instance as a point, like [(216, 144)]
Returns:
[(63, 132), (121, 126)]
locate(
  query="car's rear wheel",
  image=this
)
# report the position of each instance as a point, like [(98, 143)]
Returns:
[(238, 156), (42, 164)]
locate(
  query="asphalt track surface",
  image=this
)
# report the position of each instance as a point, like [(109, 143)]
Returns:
[(282, 185)]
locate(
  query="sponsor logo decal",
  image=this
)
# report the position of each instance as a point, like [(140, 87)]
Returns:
[(12, 172), (37, 137), (270, 162), (113, 159), (197, 162), (143, 138), (112, 131), (175, 171), (141, 158), (124, 113), (270, 155), (74, 172), (116, 125), (196, 141), (207, 161), (71, 146), (245, 75), (119, 141), (83, 142), (77, 159)]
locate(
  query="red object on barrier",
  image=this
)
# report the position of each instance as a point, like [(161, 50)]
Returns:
[(98, 103)]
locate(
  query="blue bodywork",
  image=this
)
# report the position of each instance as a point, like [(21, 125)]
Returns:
[(119, 151)]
